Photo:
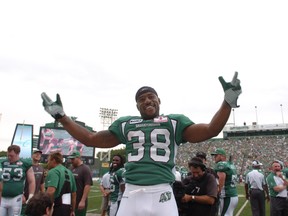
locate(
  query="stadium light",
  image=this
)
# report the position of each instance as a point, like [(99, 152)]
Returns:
[(256, 115), (107, 116), (282, 114)]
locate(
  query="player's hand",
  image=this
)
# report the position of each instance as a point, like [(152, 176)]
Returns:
[(55, 109), (232, 90)]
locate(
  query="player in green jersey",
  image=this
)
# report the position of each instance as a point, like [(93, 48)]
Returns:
[(117, 184), (227, 177), (151, 143), (15, 171)]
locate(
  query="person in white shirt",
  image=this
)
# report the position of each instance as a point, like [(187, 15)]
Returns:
[(255, 189)]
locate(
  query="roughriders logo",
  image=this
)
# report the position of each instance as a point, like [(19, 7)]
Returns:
[(164, 197)]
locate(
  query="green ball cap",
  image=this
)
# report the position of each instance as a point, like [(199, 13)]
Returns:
[(219, 151)]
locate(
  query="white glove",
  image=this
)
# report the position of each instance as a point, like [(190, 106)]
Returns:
[(55, 109), (232, 90), (29, 197)]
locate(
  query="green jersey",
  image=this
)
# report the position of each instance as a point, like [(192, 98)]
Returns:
[(13, 177), (116, 179), (229, 189), (151, 146), (272, 181), (56, 178)]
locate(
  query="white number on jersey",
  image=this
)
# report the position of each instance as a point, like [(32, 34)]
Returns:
[(18, 174), (155, 145)]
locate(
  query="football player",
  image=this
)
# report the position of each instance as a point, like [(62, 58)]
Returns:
[(151, 143)]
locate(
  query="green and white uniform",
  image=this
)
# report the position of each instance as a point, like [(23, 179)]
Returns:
[(228, 194), (116, 179), (13, 178), (151, 148)]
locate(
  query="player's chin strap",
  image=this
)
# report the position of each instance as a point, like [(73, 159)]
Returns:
[(55, 109), (232, 90)]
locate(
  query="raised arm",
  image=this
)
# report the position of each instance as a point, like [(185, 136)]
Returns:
[(101, 139), (202, 132)]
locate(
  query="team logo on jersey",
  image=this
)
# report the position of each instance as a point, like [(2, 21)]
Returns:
[(164, 197), (135, 121), (161, 119)]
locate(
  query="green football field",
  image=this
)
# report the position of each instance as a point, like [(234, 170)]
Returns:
[(243, 207), (94, 199)]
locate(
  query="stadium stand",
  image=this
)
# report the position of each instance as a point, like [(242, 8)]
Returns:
[(263, 143)]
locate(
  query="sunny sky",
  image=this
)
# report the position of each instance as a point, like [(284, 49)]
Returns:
[(98, 53)]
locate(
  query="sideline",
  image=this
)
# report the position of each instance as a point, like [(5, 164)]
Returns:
[(241, 209)]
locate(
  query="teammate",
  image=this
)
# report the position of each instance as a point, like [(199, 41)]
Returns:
[(227, 175), (60, 185), (151, 145), (117, 184), (83, 178), (14, 174), (39, 177)]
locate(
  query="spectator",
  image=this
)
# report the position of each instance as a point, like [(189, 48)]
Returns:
[(39, 205), (15, 171), (227, 174), (277, 186), (83, 178), (60, 185), (200, 190)]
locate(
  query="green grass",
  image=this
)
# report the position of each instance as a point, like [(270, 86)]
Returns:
[(95, 198)]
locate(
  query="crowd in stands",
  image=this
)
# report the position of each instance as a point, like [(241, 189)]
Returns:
[(243, 151)]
